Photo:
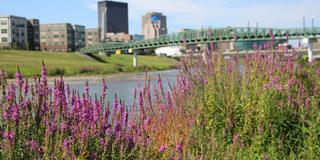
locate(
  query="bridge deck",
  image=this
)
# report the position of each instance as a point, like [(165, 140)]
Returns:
[(207, 36)]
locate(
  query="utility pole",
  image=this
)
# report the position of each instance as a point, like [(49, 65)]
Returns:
[(312, 22), (304, 23)]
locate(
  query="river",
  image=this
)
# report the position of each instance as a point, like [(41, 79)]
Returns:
[(121, 84)]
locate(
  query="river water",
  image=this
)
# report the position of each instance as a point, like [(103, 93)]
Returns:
[(121, 84)]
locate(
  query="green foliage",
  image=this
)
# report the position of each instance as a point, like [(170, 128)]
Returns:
[(268, 110)]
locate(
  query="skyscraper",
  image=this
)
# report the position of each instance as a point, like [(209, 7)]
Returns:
[(112, 18), (153, 25)]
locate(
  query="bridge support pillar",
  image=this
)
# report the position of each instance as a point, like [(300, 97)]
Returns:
[(135, 58), (310, 51), (309, 42)]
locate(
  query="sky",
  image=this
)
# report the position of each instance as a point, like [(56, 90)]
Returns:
[(181, 14)]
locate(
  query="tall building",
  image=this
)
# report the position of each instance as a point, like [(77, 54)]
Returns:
[(153, 25), (33, 34), (79, 37), (58, 37), (13, 32), (112, 18), (92, 36)]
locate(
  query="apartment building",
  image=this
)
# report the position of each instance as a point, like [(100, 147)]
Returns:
[(79, 37), (33, 27), (13, 32), (92, 36), (57, 37)]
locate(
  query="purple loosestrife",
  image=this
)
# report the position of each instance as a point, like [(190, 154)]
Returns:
[(44, 79), (19, 79), (11, 94), (162, 149), (26, 87), (15, 114), (9, 135), (34, 145), (178, 148)]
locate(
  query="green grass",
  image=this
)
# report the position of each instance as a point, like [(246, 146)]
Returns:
[(71, 64)]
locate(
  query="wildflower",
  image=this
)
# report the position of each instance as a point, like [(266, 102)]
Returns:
[(103, 142), (26, 87), (67, 143), (281, 88), (34, 145), (19, 78), (15, 114), (318, 71), (9, 135), (178, 147), (44, 74), (162, 149), (11, 93), (63, 126)]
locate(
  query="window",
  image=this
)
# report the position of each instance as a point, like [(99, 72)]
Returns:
[(4, 31), (55, 36), (3, 22), (4, 39)]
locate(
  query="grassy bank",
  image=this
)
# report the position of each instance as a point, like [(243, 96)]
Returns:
[(70, 64)]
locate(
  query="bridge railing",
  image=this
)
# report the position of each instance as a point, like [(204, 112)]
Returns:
[(207, 35)]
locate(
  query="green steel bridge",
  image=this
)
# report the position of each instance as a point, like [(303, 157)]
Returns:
[(203, 36)]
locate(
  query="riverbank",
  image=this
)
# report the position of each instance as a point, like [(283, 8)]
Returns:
[(74, 64)]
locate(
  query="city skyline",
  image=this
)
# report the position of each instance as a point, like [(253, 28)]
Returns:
[(180, 13)]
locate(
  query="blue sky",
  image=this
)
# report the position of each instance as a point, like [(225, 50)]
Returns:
[(180, 13)]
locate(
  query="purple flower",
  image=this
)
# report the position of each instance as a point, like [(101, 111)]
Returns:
[(6, 116), (44, 74), (318, 71), (103, 142), (281, 88), (162, 149), (15, 114), (178, 147), (19, 78), (26, 87), (67, 144), (11, 93), (34, 145), (9, 135), (64, 126)]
